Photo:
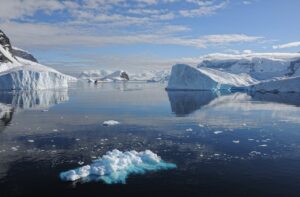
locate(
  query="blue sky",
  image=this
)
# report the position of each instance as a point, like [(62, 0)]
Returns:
[(148, 34)]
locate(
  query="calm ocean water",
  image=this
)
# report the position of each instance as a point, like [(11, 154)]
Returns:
[(223, 144)]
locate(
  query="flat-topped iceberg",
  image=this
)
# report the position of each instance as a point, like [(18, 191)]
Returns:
[(185, 77), (19, 70), (256, 72), (116, 166)]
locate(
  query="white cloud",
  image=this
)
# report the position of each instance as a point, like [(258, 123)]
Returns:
[(45, 35), (287, 45), (202, 10)]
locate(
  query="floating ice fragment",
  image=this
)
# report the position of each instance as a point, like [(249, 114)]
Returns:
[(80, 162), (14, 148), (200, 125), (116, 166), (254, 153), (30, 141), (110, 123), (189, 129), (236, 141), (263, 145), (218, 132)]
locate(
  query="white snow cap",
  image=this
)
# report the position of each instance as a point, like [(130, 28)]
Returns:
[(116, 166)]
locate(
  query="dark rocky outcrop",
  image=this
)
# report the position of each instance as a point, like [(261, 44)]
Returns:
[(124, 75), (4, 41)]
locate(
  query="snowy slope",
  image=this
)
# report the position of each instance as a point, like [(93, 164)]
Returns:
[(20, 73), (260, 66)]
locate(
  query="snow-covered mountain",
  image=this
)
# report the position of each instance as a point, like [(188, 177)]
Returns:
[(260, 66), (152, 76), (119, 75), (20, 70), (94, 74), (253, 72)]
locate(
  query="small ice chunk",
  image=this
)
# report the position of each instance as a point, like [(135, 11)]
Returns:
[(218, 132), (250, 139), (55, 130), (254, 153), (200, 125), (115, 166), (30, 141), (77, 139), (80, 163), (263, 145), (189, 129), (14, 148), (110, 123), (236, 141)]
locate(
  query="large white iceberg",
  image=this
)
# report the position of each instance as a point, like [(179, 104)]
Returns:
[(115, 166), (255, 72), (20, 70)]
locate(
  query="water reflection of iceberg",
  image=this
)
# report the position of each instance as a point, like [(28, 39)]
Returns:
[(11, 102), (186, 102), (6, 114), (33, 99), (283, 98)]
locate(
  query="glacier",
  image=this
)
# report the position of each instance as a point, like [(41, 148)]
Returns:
[(265, 72), (115, 166), (19, 70)]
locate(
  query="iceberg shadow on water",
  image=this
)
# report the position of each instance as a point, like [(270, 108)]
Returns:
[(186, 102)]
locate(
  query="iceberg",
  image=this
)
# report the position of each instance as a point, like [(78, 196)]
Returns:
[(185, 77), (19, 70), (264, 72), (116, 166)]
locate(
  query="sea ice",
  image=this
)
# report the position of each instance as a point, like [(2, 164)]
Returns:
[(116, 166), (110, 123), (236, 141), (218, 132)]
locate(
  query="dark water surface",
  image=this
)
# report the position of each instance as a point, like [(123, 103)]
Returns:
[(223, 144)]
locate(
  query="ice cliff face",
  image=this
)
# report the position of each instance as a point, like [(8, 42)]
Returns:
[(266, 72), (19, 70)]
